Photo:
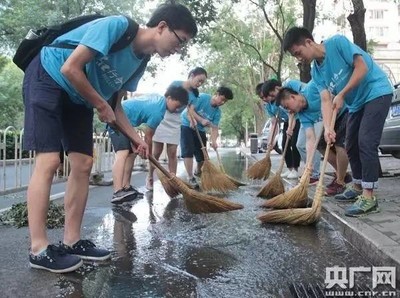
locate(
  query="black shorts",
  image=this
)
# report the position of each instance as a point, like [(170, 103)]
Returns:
[(51, 119), (190, 143), (340, 130), (120, 142)]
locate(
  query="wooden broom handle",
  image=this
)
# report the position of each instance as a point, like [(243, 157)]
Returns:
[(283, 154), (269, 149), (150, 157), (219, 160), (327, 149)]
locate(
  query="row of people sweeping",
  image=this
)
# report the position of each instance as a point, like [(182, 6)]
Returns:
[(345, 78), (181, 116)]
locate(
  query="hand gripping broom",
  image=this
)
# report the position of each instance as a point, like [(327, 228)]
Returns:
[(296, 197), (211, 177), (195, 202), (261, 169), (303, 216), (275, 186)]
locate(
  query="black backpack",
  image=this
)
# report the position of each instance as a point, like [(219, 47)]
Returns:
[(30, 47)]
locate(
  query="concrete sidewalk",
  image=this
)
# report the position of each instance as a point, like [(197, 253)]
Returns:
[(376, 236)]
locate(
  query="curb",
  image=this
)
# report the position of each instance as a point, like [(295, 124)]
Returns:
[(376, 247)]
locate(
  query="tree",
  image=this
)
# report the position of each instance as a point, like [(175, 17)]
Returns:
[(11, 105), (356, 20), (18, 16)]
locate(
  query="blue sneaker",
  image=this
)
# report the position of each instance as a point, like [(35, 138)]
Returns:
[(350, 194), (55, 259), (86, 250), (362, 206)]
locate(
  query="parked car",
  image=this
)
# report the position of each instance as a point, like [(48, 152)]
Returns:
[(390, 141), (263, 139)]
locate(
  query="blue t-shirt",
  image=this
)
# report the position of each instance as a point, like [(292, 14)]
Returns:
[(312, 113), (107, 73), (271, 108), (148, 109), (337, 67), (202, 106)]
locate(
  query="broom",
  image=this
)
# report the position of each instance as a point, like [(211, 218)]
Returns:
[(221, 166), (275, 186), (262, 168), (169, 185), (296, 197), (211, 177), (195, 202), (303, 216)]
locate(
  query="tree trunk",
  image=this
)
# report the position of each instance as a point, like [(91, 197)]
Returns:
[(356, 20), (309, 7)]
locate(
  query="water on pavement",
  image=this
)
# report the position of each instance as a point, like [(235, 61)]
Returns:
[(161, 250)]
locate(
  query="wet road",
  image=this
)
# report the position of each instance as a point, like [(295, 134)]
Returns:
[(161, 250)]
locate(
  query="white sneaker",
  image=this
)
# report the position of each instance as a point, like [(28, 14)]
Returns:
[(293, 175), (286, 173)]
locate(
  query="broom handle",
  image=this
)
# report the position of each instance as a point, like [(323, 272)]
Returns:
[(283, 155), (150, 157), (327, 149), (203, 148), (219, 161), (269, 148)]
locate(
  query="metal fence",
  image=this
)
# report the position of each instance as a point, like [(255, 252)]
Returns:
[(16, 165)]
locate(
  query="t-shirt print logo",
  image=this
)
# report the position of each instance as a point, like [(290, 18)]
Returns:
[(109, 74), (337, 78)]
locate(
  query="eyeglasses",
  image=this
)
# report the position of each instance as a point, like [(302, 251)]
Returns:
[(181, 41)]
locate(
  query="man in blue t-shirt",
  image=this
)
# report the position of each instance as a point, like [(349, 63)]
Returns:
[(306, 104), (147, 110), (291, 126), (61, 87), (343, 69), (207, 113)]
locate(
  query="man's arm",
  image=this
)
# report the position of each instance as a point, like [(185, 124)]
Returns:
[(123, 122), (148, 137), (326, 109), (214, 136), (291, 124), (272, 131), (73, 71), (310, 145)]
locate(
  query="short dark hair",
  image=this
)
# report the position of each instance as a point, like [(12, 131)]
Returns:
[(176, 15), (283, 94), (225, 91), (296, 36), (178, 93), (269, 86), (259, 88)]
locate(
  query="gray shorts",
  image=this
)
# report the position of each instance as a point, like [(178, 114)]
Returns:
[(119, 141), (52, 121)]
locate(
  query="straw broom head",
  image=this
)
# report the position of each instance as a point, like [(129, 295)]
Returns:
[(261, 169), (213, 179), (272, 188), (234, 181), (297, 216), (295, 198), (167, 184), (221, 167), (197, 202)]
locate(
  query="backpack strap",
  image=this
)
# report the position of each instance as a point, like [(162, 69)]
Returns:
[(127, 37)]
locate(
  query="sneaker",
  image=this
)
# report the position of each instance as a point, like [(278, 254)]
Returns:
[(149, 184), (122, 195), (362, 206), (86, 250), (134, 190), (293, 175), (335, 188), (285, 174), (55, 259), (193, 182), (313, 181), (350, 194)]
